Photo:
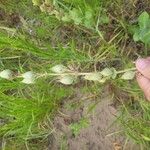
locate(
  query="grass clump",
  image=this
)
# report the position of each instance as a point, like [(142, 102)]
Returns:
[(24, 116), (136, 126)]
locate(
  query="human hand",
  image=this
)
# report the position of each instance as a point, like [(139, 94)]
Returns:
[(143, 77)]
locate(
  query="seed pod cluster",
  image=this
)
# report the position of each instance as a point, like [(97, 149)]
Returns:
[(67, 77)]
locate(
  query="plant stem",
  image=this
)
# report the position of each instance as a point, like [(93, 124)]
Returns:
[(14, 57), (79, 73), (64, 74), (126, 70)]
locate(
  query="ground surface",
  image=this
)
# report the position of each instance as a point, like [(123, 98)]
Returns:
[(101, 134)]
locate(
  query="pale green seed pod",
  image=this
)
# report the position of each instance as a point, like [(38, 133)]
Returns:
[(67, 79), (29, 77), (6, 74), (107, 72), (128, 75), (93, 76), (59, 68), (114, 75), (28, 81)]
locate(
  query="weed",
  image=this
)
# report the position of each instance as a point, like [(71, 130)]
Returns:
[(136, 125), (63, 145), (68, 77), (143, 30), (24, 116), (78, 12), (76, 127), (68, 42)]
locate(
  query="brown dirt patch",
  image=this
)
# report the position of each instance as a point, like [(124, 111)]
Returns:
[(102, 133)]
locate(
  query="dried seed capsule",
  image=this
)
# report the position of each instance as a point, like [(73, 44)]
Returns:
[(114, 75), (128, 75), (27, 81), (29, 77), (67, 79), (107, 72), (59, 68), (93, 76), (6, 74)]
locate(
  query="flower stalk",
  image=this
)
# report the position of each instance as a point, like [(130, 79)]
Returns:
[(68, 77)]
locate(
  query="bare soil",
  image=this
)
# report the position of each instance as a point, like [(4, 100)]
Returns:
[(102, 134)]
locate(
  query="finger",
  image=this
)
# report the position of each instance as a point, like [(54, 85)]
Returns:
[(148, 58), (144, 84), (143, 66)]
